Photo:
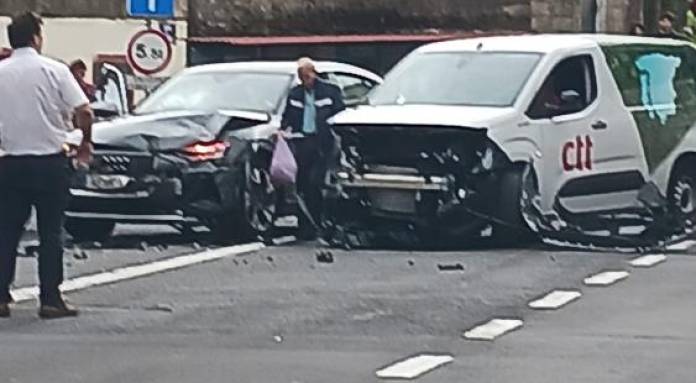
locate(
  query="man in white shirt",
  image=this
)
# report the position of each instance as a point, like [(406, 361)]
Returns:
[(38, 96)]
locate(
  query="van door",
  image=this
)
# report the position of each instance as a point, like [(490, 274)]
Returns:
[(592, 159)]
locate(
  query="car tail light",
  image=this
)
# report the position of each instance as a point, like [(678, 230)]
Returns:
[(205, 151)]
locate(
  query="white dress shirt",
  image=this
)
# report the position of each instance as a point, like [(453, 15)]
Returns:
[(37, 98)]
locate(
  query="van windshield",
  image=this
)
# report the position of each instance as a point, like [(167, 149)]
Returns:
[(457, 78)]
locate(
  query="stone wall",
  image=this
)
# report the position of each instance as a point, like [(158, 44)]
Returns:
[(301, 17), (612, 16)]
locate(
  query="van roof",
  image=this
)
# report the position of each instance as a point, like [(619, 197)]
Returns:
[(544, 43)]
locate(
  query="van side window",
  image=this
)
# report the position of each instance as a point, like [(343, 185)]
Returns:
[(570, 88)]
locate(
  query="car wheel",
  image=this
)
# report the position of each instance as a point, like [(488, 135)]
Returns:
[(681, 194), (84, 230), (257, 212), (511, 227)]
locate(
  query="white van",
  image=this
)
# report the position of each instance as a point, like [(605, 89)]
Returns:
[(580, 136)]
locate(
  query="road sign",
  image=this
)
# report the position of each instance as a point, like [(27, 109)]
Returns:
[(149, 52), (151, 9)]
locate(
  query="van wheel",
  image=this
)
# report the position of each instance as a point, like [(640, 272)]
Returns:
[(85, 230), (512, 229), (681, 194)]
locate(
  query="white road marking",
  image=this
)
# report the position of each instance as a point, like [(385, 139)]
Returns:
[(555, 300), (648, 260), (493, 329), (414, 367), (284, 240), (681, 246), (132, 272), (606, 278)]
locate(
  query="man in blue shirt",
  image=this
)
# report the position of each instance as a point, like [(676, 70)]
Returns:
[(307, 111)]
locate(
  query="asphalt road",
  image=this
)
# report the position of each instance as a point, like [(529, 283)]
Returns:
[(283, 315)]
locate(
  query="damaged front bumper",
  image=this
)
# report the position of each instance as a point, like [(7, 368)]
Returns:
[(433, 182), (136, 187)]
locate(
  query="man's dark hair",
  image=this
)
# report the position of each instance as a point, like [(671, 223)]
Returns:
[(669, 16), (23, 29), (78, 64)]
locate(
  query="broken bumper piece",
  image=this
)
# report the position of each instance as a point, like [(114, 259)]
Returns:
[(392, 181)]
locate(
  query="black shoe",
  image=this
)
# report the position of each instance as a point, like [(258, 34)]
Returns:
[(57, 310), (4, 310)]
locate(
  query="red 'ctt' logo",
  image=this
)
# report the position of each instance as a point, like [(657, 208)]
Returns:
[(577, 154)]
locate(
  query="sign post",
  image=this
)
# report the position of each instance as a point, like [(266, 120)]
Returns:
[(149, 52)]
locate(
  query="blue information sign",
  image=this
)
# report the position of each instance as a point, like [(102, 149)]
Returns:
[(160, 9)]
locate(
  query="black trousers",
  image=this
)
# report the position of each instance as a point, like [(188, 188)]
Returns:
[(42, 182), (311, 169)]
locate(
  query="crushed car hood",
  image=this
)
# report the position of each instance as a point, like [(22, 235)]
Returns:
[(164, 131), (430, 115)]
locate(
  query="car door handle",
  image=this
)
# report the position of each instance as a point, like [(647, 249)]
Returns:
[(599, 125)]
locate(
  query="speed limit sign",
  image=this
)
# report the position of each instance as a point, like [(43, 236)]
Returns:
[(149, 52)]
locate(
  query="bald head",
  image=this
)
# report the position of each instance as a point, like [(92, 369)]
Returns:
[(307, 72)]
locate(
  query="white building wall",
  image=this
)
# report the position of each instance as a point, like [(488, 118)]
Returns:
[(68, 39)]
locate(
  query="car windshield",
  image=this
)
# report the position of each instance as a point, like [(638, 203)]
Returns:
[(457, 78), (253, 91)]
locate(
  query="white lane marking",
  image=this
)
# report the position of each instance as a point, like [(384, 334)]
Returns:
[(648, 260), (132, 272), (284, 240), (414, 367), (681, 246), (555, 300), (493, 329), (606, 278)]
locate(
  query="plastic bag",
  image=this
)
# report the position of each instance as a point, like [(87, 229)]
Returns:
[(283, 164)]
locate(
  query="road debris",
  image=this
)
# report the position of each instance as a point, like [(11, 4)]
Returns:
[(450, 267), (162, 307), (324, 256), (79, 253)]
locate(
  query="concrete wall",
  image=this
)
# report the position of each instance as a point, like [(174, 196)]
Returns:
[(299, 17)]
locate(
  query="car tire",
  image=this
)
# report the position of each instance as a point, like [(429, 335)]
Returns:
[(84, 230), (510, 227), (681, 194), (256, 214)]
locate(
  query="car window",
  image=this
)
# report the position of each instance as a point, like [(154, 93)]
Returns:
[(212, 91), (354, 88), (570, 88), (639, 68), (658, 84)]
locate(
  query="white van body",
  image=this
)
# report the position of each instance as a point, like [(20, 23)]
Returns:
[(600, 123)]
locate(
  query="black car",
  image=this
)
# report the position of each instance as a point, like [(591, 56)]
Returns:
[(196, 152)]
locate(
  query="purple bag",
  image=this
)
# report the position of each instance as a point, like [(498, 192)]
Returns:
[(283, 164)]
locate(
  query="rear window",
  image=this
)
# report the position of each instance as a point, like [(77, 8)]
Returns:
[(654, 74), (658, 84)]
